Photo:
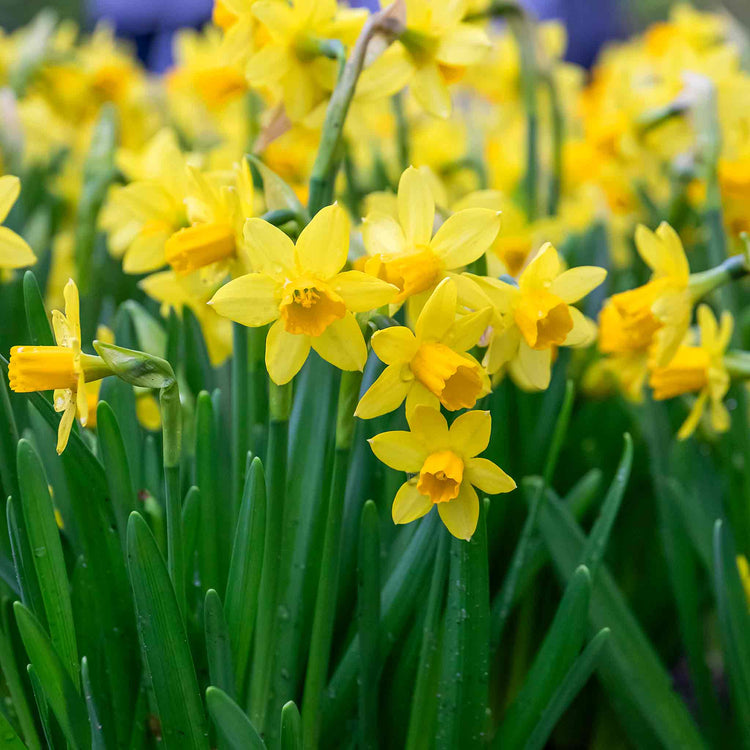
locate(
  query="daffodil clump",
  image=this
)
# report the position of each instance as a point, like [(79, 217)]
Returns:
[(357, 308)]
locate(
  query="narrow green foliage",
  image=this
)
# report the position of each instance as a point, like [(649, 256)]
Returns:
[(97, 736), (291, 727), (40, 330), (218, 647), (9, 740), (31, 594), (8, 442), (232, 724), (42, 706), (206, 465)]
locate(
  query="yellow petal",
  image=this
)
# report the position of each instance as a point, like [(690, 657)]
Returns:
[(439, 312), (466, 236), (299, 90), (401, 450), (322, 247), (285, 353), (470, 433), (430, 426), (535, 364), (64, 334), (249, 300), (14, 250), (394, 345), (468, 329), (409, 504), (382, 234), (502, 296), (489, 477), (420, 396), (720, 420), (689, 425), (362, 292), (673, 254), (82, 402), (503, 348), (10, 189), (72, 307), (542, 270), (277, 17), (416, 207), (461, 514), (463, 45), (146, 253), (342, 344), (387, 75), (63, 429), (268, 65), (584, 330), (575, 283), (270, 250), (430, 91), (385, 395), (726, 326)]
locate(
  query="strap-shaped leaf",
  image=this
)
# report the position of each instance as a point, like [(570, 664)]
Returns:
[(218, 648), (232, 723)]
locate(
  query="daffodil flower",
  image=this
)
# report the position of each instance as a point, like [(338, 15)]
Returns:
[(536, 316), (14, 250), (301, 288), (445, 466), (64, 367), (430, 366), (405, 252), (744, 571), (699, 369)]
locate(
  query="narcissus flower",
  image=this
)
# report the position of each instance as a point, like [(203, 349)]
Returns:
[(536, 316), (64, 367), (699, 369), (14, 250), (301, 288), (405, 252), (446, 468), (430, 366)]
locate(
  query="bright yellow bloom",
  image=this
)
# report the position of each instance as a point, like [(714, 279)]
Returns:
[(744, 570), (14, 250), (699, 369), (430, 366), (405, 252), (289, 64), (301, 288), (446, 468), (63, 367), (535, 317)]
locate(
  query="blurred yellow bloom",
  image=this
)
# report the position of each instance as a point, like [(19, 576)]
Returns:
[(445, 465), (699, 369), (744, 570), (536, 316), (64, 367), (301, 288), (406, 254), (430, 366), (14, 250)]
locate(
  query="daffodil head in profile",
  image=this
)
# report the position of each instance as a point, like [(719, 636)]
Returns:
[(405, 252), (701, 370), (445, 467), (536, 316), (430, 366), (301, 289), (14, 250)]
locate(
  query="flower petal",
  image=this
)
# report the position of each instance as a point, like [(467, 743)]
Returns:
[(14, 250), (271, 252), (386, 394), (362, 292), (430, 91), (420, 396), (466, 236), (575, 283), (584, 329), (468, 329), (342, 344), (534, 365), (322, 247), (399, 449), (439, 312), (72, 308), (464, 45), (10, 189), (409, 504), (470, 433), (430, 426), (382, 234), (285, 353), (416, 207), (268, 64), (461, 514), (66, 423), (542, 270), (249, 300), (277, 17), (689, 425), (394, 345), (489, 477)]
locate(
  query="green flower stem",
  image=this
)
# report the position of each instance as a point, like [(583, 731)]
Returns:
[(239, 412), (94, 368), (738, 364), (558, 138), (705, 282), (280, 407), (258, 388), (325, 602), (402, 131), (326, 162)]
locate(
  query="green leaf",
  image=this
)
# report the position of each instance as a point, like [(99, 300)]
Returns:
[(59, 690), (8, 442), (152, 337), (368, 602), (198, 371), (277, 193), (734, 620), (47, 553), (553, 660), (164, 644), (40, 330), (232, 723), (9, 740), (218, 648), (291, 727), (243, 582), (42, 706), (191, 510), (31, 594), (571, 685), (97, 735)]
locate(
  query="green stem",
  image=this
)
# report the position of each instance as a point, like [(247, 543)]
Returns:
[(558, 137), (402, 131), (258, 388), (738, 364), (240, 410)]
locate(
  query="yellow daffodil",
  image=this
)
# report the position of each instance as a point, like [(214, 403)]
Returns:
[(64, 367), (430, 366), (290, 63), (301, 288), (536, 316), (744, 571), (446, 468), (14, 250), (699, 369), (405, 252)]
